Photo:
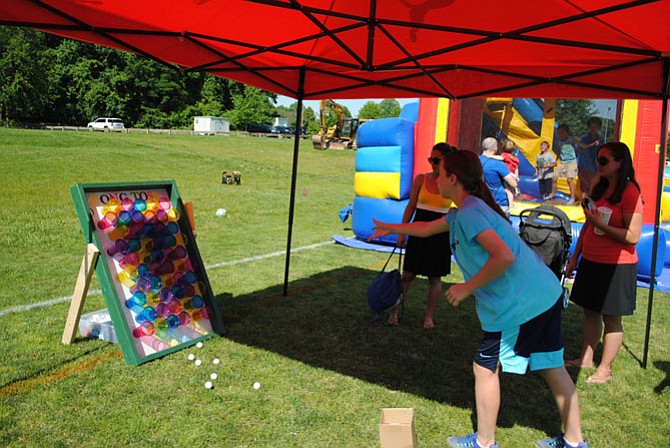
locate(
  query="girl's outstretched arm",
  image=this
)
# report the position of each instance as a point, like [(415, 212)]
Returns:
[(420, 228)]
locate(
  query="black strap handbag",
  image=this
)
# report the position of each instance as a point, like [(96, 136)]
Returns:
[(385, 291)]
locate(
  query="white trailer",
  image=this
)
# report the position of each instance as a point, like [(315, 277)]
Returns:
[(280, 121), (210, 125)]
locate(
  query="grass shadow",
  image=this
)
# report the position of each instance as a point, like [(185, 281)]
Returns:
[(664, 367), (325, 322)]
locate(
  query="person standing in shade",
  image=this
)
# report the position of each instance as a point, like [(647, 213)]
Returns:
[(517, 297), (496, 173), (606, 280), (426, 256), (587, 150)]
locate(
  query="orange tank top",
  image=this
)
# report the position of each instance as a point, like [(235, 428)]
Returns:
[(433, 202)]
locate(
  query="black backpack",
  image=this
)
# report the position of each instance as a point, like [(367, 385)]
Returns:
[(548, 231), (385, 291)]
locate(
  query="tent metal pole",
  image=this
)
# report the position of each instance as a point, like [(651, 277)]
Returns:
[(657, 214), (294, 176)]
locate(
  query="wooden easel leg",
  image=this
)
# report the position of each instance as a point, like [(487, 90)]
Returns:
[(80, 290)]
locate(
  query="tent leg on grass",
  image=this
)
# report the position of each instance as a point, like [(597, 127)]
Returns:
[(294, 176)]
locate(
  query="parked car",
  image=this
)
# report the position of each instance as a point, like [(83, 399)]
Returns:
[(256, 127), (303, 130), (280, 130), (106, 124)]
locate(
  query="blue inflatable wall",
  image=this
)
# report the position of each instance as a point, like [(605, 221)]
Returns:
[(384, 166)]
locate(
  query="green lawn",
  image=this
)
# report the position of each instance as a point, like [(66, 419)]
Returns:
[(326, 371)]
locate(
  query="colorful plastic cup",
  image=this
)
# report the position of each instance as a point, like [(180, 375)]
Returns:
[(172, 227), (164, 203), (173, 215), (148, 314), (145, 329), (137, 299), (113, 206), (172, 321), (177, 292), (125, 218), (189, 290), (162, 310), (140, 204), (138, 217), (184, 318), (160, 324), (197, 302), (153, 298), (128, 205), (152, 204)]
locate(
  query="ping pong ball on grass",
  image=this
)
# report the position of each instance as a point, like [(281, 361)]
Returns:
[(198, 362), (214, 376), (199, 345), (216, 361), (257, 385), (191, 357), (208, 385)]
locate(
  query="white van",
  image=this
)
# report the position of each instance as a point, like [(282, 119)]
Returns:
[(106, 124)]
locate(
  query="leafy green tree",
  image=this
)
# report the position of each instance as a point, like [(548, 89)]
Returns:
[(389, 108), (371, 110), (253, 106), (575, 114), (24, 86), (310, 120)]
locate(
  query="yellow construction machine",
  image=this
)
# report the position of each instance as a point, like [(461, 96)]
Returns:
[(342, 135)]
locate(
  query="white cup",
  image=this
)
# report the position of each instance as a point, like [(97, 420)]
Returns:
[(604, 214)]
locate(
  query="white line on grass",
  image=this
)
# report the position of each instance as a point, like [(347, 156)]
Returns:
[(20, 308)]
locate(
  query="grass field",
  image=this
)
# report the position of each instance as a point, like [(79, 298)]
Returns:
[(326, 371)]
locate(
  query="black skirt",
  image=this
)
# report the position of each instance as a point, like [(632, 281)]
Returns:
[(428, 256), (608, 289)]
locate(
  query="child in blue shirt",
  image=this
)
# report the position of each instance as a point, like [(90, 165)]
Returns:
[(517, 299)]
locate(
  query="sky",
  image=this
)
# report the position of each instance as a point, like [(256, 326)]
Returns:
[(605, 108)]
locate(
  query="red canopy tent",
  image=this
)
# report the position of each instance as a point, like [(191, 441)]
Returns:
[(315, 49)]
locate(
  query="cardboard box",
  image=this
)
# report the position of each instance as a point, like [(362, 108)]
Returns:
[(396, 428), (98, 325)]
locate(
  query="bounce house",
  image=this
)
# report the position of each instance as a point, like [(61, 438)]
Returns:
[(392, 151)]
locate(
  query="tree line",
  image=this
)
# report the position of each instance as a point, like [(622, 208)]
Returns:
[(45, 78)]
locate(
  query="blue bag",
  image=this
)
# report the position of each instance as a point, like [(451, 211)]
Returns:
[(385, 291)]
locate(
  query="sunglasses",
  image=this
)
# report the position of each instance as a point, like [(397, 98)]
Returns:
[(602, 161), (434, 160)]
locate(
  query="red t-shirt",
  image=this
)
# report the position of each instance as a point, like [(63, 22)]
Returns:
[(602, 248), (511, 161)]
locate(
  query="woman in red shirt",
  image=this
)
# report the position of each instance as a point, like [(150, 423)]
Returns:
[(606, 280)]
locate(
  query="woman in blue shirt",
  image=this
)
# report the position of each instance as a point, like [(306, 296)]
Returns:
[(517, 299)]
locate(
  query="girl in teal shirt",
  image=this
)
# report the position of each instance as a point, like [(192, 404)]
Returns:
[(517, 299)]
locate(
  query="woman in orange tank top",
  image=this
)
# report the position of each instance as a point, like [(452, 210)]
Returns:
[(430, 256)]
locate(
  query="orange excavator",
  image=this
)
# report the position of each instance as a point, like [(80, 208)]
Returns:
[(342, 135)]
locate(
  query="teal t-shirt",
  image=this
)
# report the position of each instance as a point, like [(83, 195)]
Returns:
[(567, 151), (525, 290)]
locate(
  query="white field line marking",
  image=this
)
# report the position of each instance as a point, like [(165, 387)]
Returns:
[(20, 308)]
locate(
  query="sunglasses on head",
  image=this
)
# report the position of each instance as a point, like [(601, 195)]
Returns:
[(602, 161), (434, 160)]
